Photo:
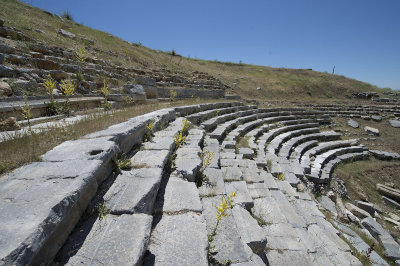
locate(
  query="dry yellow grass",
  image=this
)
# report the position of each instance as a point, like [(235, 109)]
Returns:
[(28, 148)]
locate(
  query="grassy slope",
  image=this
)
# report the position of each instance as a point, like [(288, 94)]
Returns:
[(295, 84)]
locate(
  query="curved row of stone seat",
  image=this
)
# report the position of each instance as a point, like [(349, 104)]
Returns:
[(267, 137), (305, 160), (275, 144), (212, 123), (322, 159), (358, 111), (287, 148), (327, 170), (43, 201), (199, 117)]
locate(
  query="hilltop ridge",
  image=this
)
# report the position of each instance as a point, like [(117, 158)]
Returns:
[(248, 81)]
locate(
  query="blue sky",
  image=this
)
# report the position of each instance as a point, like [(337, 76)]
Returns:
[(360, 37)]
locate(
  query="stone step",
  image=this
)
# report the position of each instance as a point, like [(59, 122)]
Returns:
[(111, 240), (325, 157), (212, 123), (197, 118), (276, 143), (310, 139), (179, 239), (329, 167), (223, 129), (324, 147)]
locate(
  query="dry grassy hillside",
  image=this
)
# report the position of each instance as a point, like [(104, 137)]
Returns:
[(293, 84)]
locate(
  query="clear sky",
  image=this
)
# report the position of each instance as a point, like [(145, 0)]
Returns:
[(360, 37)]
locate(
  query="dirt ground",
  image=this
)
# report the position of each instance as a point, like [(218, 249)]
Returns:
[(361, 177)]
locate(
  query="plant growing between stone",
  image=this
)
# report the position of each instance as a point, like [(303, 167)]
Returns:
[(172, 95), (149, 133), (68, 88), (26, 112), (52, 107), (100, 210), (181, 137), (104, 90), (281, 177), (81, 56), (227, 203), (206, 157), (122, 163), (269, 165)]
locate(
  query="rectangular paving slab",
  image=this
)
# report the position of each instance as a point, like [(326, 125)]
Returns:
[(179, 196), (150, 159), (243, 197), (226, 244), (112, 240), (178, 240), (134, 191), (214, 185)]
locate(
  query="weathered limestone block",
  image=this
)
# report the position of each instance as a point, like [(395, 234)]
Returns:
[(134, 191), (179, 196), (357, 211), (372, 130), (353, 123), (247, 153), (187, 168), (394, 123), (150, 159), (249, 230), (214, 185), (366, 206), (40, 205), (392, 249), (112, 240), (243, 197), (103, 149), (232, 173), (258, 190), (178, 240), (227, 244)]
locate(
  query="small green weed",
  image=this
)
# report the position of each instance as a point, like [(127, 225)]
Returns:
[(269, 165), (281, 177), (172, 95), (100, 210), (122, 163)]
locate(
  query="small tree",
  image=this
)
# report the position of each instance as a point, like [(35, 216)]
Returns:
[(52, 107), (26, 112), (81, 56), (106, 92), (68, 88)]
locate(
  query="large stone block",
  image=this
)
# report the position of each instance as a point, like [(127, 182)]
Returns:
[(249, 230), (112, 240), (126, 134), (134, 191), (188, 168), (179, 196), (40, 205), (227, 244), (83, 149), (243, 197), (178, 240), (150, 159), (215, 183)]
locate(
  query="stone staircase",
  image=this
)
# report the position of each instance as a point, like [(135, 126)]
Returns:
[(74, 208)]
